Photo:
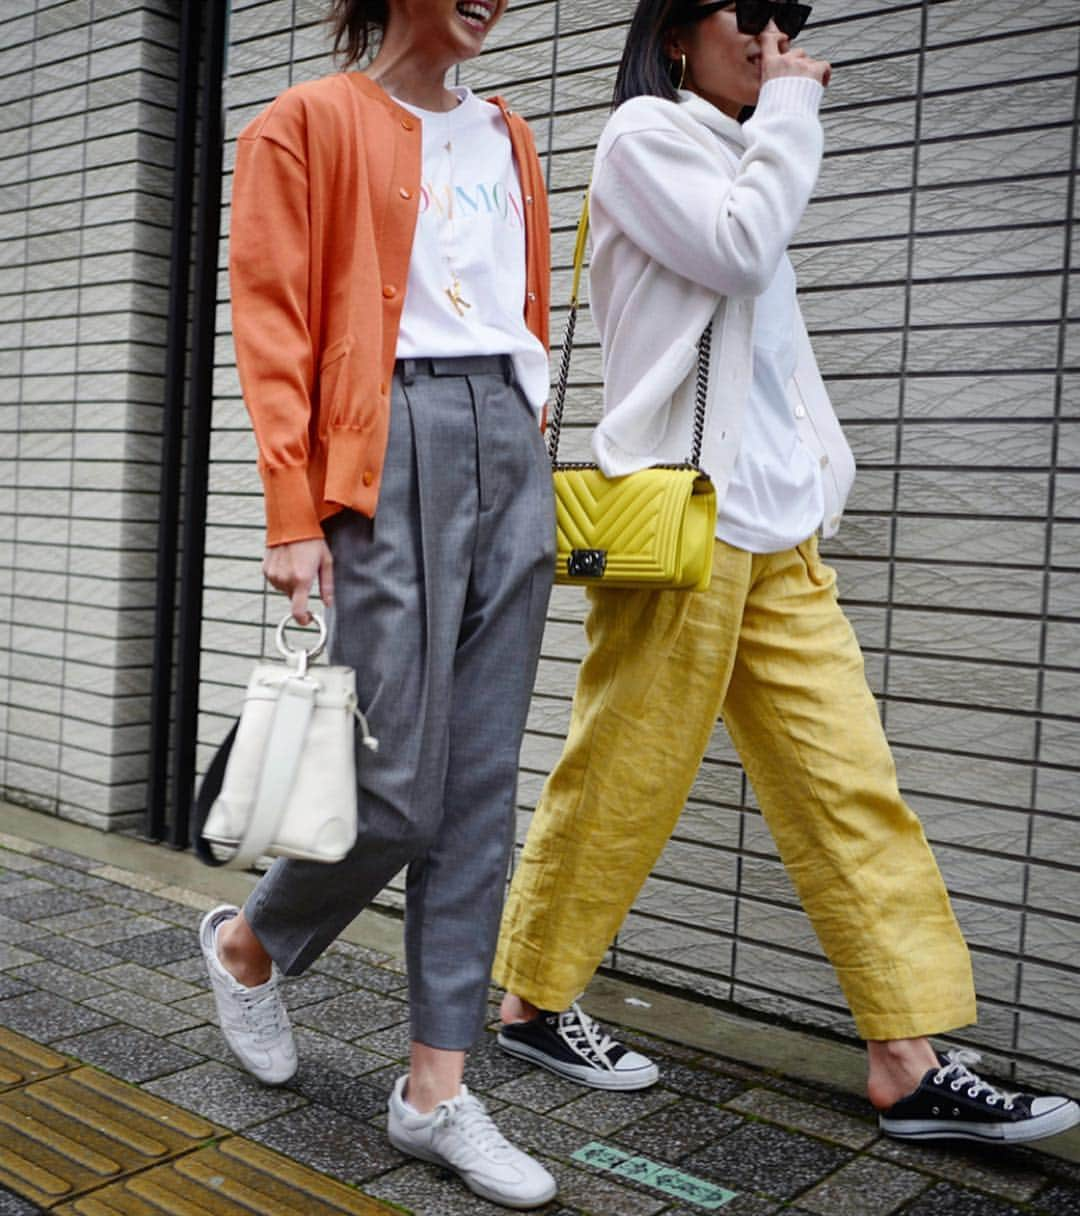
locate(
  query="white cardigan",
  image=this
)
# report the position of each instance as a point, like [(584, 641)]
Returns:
[(691, 213)]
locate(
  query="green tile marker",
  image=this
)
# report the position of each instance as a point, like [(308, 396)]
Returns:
[(661, 1177)]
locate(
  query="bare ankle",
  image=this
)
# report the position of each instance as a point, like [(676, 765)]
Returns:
[(241, 953), (516, 1009), (896, 1066)]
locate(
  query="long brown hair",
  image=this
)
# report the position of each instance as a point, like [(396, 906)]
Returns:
[(356, 26), (645, 67)]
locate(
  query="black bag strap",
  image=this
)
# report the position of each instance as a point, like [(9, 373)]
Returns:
[(701, 394), (208, 791)]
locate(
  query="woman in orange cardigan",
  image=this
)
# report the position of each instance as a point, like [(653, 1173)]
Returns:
[(389, 268)]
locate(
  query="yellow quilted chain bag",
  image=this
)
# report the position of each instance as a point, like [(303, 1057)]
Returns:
[(651, 529)]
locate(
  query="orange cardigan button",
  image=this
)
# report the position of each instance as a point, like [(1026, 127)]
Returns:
[(368, 477), (404, 192), (389, 291), (406, 124)]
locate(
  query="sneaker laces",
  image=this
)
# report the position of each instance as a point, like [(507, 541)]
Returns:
[(263, 1011), (959, 1069), (583, 1035), (468, 1115)]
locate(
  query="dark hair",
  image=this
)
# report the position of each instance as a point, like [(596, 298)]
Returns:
[(645, 68), (356, 26)]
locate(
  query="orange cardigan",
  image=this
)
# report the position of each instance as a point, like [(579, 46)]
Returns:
[(324, 208)]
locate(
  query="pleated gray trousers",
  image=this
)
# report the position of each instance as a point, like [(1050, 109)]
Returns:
[(440, 603)]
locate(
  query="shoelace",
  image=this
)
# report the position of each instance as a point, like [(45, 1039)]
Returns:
[(959, 1068), (584, 1036), (263, 1013), (470, 1117)]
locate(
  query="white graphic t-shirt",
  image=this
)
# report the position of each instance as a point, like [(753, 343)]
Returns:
[(466, 288)]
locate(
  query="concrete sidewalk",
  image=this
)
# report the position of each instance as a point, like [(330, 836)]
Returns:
[(99, 963)]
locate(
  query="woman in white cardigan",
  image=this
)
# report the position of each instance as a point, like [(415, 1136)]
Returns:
[(692, 212)]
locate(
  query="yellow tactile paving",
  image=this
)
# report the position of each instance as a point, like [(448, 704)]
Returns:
[(22, 1060), (234, 1178), (81, 1143), (80, 1130)]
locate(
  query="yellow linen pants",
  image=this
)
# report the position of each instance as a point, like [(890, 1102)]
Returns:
[(768, 647)]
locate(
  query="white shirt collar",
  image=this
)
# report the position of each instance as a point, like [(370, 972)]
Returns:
[(708, 115)]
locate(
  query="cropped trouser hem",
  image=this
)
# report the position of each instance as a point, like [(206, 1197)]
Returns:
[(768, 648)]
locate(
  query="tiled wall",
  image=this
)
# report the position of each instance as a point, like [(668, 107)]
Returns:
[(86, 97), (934, 264)]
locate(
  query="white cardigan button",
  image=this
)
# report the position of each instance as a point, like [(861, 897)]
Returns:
[(800, 411)]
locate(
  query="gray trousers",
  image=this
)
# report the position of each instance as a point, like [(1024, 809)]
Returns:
[(440, 607)]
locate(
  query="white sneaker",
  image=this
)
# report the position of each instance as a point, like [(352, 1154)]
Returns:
[(460, 1135), (253, 1020)]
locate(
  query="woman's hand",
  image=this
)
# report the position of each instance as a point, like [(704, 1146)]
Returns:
[(292, 568), (775, 62)]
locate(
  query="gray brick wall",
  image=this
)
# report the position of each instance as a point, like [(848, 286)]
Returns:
[(86, 89)]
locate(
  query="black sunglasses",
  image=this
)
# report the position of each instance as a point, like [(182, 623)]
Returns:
[(752, 16)]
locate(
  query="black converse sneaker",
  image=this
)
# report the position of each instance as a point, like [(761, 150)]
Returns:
[(952, 1102), (574, 1046)]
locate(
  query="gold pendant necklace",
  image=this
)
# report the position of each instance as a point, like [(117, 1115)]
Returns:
[(453, 293)]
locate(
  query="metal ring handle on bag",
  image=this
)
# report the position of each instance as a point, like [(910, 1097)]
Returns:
[(290, 651)]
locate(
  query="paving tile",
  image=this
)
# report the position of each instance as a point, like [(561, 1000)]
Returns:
[(329, 1141), (139, 1011), (73, 861), (55, 977), (116, 930), (1058, 1200), (326, 1087), (72, 954), (703, 1083), (21, 862), (324, 1051), (601, 1195), (741, 1205), (46, 1017), (1000, 1171), (487, 1066), (127, 878), (201, 1006), (65, 876), (23, 1061), (191, 970), (147, 982), (229, 1096), (426, 1190), (14, 1205), (540, 1133), (765, 1159), (142, 901), (352, 1015), (392, 1042), (129, 1053), (802, 1116), (158, 949), (14, 931), (677, 1130), (946, 1200), (10, 987), (12, 956), (537, 1089), (181, 896), (100, 914), (360, 972), (50, 901), (603, 1111), (864, 1187), (311, 988), (19, 890)]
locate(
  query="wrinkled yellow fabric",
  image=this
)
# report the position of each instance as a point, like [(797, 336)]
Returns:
[(769, 649)]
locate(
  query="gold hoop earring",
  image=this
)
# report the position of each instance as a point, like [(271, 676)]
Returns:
[(682, 69)]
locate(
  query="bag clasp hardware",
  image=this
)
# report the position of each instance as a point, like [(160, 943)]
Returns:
[(586, 563)]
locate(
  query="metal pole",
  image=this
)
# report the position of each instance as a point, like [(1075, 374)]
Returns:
[(187, 91), (198, 445)]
